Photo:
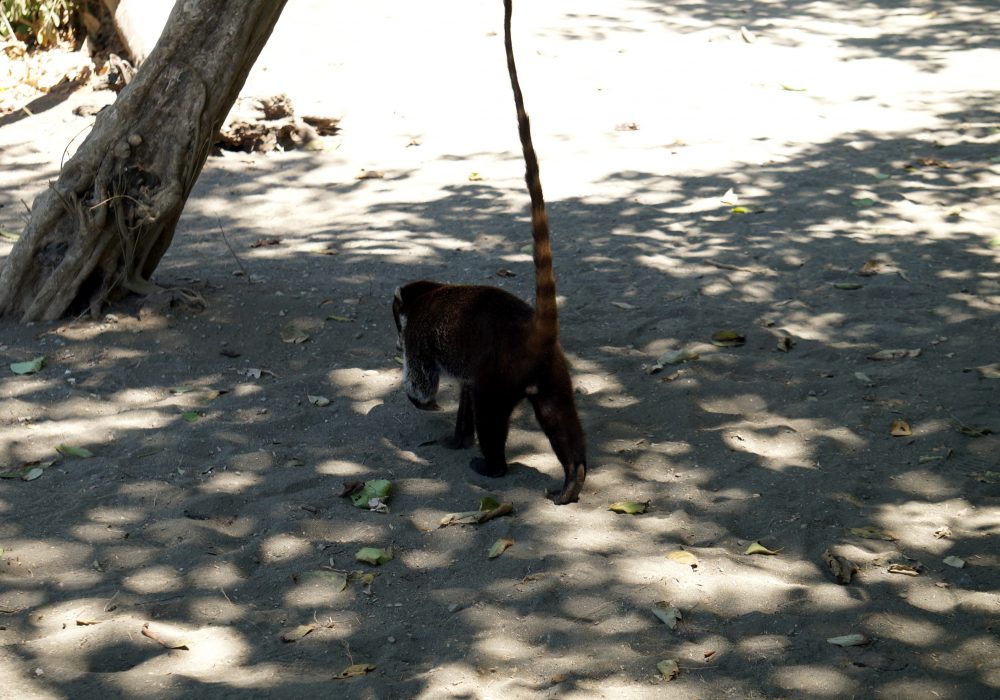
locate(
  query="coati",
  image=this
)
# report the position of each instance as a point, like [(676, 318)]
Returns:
[(497, 346)]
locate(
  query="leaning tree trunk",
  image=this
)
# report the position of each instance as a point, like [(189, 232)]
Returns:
[(100, 230)]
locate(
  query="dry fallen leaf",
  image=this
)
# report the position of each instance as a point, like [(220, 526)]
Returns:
[(871, 268), (758, 548), (500, 546), (318, 400), (842, 568), (956, 562), (728, 339), (900, 428), (904, 569), (292, 334), (894, 354), (683, 557), (667, 613), (870, 532), (668, 668), (165, 637), (355, 670), (476, 517), (369, 175), (629, 507), (294, 635)]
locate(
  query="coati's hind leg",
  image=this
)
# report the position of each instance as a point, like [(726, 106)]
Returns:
[(556, 414), (465, 426), (491, 409)]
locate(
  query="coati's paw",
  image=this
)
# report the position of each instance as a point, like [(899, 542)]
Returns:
[(479, 465), (431, 405), (453, 442)]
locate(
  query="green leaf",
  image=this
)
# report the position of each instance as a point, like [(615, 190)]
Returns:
[(376, 488), (791, 88), (340, 319), (69, 451), (184, 389), (373, 555), (488, 503), (629, 507), (29, 367), (500, 546), (863, 202), (191, 416), (9, 235), (33, 474), (849, 640), (740, 210)]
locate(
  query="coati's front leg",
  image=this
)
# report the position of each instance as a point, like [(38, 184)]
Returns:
[(491, 410), (465, 426)]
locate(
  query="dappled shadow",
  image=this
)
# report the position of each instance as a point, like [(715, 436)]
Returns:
[(213, 486)]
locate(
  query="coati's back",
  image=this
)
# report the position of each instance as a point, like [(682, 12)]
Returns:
[(499, 322)]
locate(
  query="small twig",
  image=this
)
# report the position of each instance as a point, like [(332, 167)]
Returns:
[(235, 257), (107, 606), (727, 266), (223, 592)]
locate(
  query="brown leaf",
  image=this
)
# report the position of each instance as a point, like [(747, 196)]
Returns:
[(355, 670), (905, 569), (476, 517), (294, 635), (504, 272), (900, 428), (262, 242), (164, 637), (871, 268), (500, 546), (369, 175), (842, 568)]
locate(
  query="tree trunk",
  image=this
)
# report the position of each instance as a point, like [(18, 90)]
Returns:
[(100, 230)]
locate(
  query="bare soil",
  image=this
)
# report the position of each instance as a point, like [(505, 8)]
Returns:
[(709, 166)]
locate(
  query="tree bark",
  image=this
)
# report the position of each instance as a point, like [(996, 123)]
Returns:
[(99, 231)]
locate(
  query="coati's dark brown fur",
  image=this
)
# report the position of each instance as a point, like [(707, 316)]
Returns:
[(498, 347)]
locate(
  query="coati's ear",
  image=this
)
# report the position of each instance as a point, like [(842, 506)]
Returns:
[(398, 294)]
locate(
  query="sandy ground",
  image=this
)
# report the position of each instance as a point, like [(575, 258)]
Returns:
[(848, 133)]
